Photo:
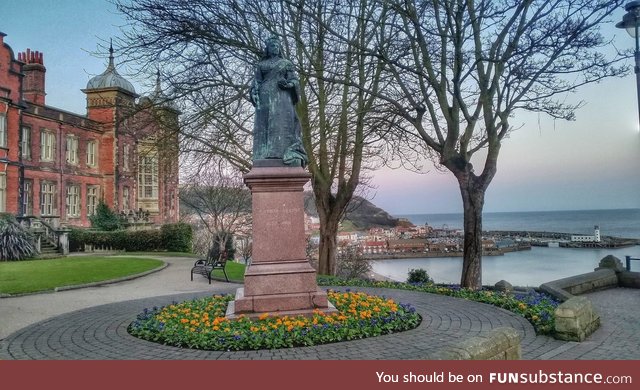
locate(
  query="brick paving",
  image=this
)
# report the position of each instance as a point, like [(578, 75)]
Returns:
[(100, 332)]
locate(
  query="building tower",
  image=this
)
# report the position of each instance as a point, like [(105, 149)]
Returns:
[(596, 233), (111, 101)]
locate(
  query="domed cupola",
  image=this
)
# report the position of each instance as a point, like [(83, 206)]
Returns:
[(110, 78), (158, 97)]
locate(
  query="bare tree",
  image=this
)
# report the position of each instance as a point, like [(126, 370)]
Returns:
[(245, 248), (462, 68), (206, 51), (219, 202)]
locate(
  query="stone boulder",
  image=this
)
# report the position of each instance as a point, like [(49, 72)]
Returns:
[(611, 262), (503, 285)]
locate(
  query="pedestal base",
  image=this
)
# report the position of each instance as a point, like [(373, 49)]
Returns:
[(279, 304), (279, 281)]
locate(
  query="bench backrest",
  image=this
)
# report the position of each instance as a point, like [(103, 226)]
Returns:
[(212, 259)]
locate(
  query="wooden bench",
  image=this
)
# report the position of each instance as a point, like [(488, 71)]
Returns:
[(205, 267)]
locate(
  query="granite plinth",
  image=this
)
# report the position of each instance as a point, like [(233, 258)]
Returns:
[(280, 304), (280, 280)]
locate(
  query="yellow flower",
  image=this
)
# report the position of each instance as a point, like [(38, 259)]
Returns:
[(263, 316)]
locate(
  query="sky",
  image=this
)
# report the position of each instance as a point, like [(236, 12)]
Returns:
[(590, 163)]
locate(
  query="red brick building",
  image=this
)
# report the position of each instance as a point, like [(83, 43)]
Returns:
[(58, 165)]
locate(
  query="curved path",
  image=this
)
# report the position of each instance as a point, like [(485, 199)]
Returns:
[(99, 331)]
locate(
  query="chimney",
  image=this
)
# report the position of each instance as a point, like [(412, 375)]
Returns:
[(34, 70)]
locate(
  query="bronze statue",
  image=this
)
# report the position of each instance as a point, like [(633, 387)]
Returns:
[(274, 93)]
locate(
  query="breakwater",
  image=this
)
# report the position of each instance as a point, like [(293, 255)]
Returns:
[(562, 240)]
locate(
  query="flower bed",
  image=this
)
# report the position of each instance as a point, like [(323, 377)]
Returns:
[(201, 324), (538, 308)]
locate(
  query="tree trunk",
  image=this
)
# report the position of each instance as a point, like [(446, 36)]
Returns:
[(328, 243), (472, 203)]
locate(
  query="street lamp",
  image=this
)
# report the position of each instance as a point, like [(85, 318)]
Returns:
[(630, 22)]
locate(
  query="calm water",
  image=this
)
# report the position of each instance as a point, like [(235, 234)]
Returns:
[(526, 268)]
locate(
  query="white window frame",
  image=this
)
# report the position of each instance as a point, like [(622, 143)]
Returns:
[(73, 200), (125, 157), (72, 149), (3, 192), (27, 197), (48, 201), (3, 130), (26, 142), (93, 194), (126, 204), (148, 177), (47, 145), (92, 148)]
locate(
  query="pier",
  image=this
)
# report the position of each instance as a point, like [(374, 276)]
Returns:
[(563, 240)]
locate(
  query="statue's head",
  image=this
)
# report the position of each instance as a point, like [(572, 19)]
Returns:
[(272, 47)]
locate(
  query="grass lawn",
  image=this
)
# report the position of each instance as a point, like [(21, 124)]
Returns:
[(17, 277), (235, 271)]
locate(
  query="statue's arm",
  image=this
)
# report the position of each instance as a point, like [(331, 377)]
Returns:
[(291, 82), (254, 94)]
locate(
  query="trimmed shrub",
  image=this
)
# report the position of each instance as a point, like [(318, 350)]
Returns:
[(419, 276), (177, 237), (76, 240), (127, 240), (105, 218), (15, 242), (231, 250)]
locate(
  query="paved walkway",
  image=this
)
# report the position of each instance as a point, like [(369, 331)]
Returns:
[(91, 323)]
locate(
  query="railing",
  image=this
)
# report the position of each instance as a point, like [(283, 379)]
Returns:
[(629, 258), (46, 227)]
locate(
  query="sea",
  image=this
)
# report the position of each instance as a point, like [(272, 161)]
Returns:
[(530, 267)]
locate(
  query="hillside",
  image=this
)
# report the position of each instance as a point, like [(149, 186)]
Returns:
[(361, 213)]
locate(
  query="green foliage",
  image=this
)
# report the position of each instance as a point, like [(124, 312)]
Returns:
[(229, 247), (419, 276), (127, 240), (77, 239), (172, 237), (177, 237), (15, 242), (202, 324), (105, 218), (537, 308)]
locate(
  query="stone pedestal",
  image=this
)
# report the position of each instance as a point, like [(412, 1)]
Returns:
[(279, 280)]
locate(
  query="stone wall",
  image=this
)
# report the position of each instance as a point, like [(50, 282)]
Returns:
[(566, 288), (575, 319), (498, 344)]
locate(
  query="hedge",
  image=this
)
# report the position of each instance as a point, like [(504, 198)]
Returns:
[(173, 237), (177, 237)]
